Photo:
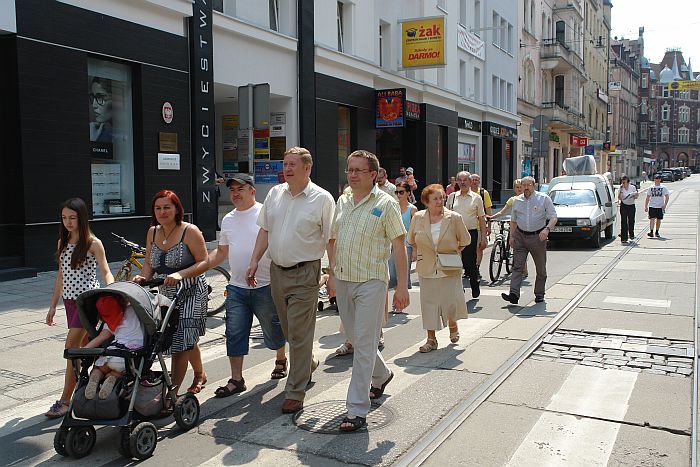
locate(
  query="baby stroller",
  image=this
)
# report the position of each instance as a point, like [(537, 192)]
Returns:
[(139, 396)]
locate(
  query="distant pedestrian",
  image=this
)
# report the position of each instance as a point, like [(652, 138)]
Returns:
[(78, 254), (176, 252), (295, 227), (367, 223), (488, 205), (470, 207), (437, 234), (518, 190), (532, 218), (239, 230), (655, 204), (385, 185), (627, 196), (452, 186), (407, 211)]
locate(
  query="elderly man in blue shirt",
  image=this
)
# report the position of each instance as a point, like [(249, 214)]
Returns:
[(532, 217)]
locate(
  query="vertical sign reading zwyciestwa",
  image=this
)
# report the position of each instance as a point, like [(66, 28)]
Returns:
[(203, 118)]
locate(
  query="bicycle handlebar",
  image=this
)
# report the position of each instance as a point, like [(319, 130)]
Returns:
[(152, 283), (131, 245)]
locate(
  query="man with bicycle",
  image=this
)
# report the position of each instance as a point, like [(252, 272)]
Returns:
[(471, 207), (239, 230), (532, 217)]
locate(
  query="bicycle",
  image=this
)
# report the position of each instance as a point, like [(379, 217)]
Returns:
[(217, 278), (501, 252)]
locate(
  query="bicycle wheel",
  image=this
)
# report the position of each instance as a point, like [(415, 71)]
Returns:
[(217, 280), (508, 255), (496, 262)]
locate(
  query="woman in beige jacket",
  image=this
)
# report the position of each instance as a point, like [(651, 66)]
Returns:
[(438, 230)]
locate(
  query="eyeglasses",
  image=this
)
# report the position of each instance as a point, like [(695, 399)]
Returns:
[(400, 192), (100, 98), (356, 171)]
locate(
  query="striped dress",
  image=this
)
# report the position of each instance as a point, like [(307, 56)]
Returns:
[(193, 304)]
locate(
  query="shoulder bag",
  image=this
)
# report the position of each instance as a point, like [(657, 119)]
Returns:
[(449, 261)]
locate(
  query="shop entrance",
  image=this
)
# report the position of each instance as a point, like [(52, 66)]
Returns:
[(398, 147)]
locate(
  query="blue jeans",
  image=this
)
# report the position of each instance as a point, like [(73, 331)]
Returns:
[(392, 267), (241, 305)]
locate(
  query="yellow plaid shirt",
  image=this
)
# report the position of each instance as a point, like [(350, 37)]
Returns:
[(363, 233)]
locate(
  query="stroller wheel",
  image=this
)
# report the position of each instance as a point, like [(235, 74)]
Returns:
[(143, 440), (59, 441), (80, 440), (186, 411)]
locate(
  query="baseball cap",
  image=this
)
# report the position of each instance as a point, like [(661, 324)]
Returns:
[(242, 179)]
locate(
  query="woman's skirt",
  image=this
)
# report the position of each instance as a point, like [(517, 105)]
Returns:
[(193, 312), (441, 299)]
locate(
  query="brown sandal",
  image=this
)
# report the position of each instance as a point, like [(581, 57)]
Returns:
[(200, 379), (279, 373)]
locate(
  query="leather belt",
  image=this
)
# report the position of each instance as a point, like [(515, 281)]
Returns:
[(294, 266), (534, 232)]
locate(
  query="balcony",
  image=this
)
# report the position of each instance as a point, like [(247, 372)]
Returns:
[(563, 118), (557, 57)]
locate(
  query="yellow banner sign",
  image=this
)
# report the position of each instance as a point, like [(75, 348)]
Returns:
[(687, 85), (423, 42)]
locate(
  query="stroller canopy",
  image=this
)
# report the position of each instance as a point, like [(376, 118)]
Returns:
[(145, 304)]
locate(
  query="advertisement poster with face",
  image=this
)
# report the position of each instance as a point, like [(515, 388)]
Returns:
[(101, 96)]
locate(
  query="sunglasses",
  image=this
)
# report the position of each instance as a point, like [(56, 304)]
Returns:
[(400, 192)]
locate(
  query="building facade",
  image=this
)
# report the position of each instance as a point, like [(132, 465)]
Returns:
[(669, 119), (623, 90)]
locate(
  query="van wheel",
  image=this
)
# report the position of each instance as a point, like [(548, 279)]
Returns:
[(609, 234), (595, 239)]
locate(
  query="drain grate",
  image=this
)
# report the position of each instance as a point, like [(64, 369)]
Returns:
[(617, 351), (326, 417)]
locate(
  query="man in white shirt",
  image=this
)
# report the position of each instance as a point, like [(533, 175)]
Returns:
[(295, 223), (655, 204), (385, 185), (239, 230)]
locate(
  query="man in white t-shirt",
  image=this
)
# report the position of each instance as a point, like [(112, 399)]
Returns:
[(655, 204), (239, 229)]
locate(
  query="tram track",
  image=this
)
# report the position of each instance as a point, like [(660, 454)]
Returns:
[(427, 445)]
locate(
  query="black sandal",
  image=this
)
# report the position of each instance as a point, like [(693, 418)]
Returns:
[(224, 391), (355, 423), (376, 393), (279, 373)]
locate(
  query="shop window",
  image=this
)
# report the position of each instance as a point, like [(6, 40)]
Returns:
[(466, 157), (111, 137), (344, 144)]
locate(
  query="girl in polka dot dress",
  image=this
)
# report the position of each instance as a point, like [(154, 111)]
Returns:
[(78, 254)]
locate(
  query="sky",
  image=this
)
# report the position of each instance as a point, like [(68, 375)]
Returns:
[(667, 23)]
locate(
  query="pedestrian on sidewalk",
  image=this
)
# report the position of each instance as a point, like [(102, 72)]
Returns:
[(470, 206), (655, 204), (438, 235), (239, 230), (79, 253), (532, 218), (295, 223), (488, 206), (407, 211), (452, 186), (176, 252), (367, 223), (627, 196), (385, 185)]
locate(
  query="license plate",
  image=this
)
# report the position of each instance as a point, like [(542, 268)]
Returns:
[(562, 229)]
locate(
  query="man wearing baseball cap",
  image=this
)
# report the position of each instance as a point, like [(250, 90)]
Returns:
[(239, 230)]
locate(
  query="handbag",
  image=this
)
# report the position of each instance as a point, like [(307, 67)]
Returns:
[(449, 261)]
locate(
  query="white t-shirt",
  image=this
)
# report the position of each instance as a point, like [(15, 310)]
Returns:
[(656, 196), (628, 194), (130, 331), (239, 229)]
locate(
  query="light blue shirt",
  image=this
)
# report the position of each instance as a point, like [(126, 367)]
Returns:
[(532, 213)]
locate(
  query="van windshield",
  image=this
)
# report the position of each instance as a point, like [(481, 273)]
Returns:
[(573, 198)]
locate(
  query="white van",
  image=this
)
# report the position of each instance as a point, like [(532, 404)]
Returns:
[(584, 205)]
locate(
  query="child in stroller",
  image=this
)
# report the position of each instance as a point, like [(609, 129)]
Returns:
[(133, 393), (121, 322)]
